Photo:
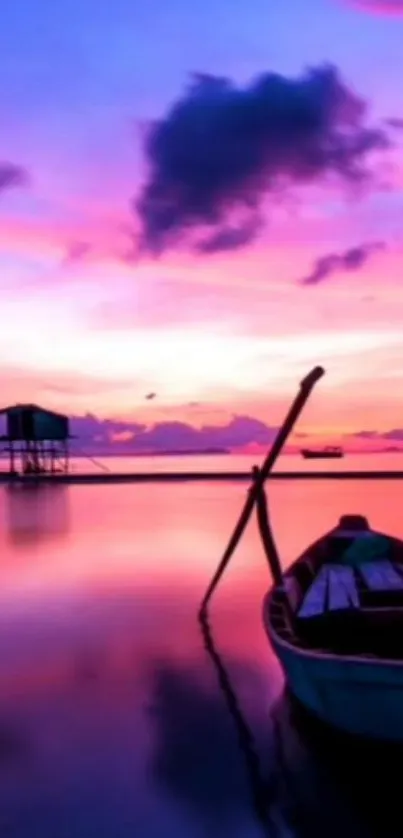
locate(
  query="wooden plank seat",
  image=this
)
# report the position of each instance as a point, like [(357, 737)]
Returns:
[(314, 601), (329, 615), (338, 587), (342, 588), (354, 610), (381, 576), (382, 585), (333, 589)]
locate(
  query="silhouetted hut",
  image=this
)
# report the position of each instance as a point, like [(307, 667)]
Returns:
[(37, 440)]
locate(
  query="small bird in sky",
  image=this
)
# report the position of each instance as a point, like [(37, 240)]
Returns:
[(150, 396)]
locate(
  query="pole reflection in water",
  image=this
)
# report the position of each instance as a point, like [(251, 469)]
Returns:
[(194, 756), (259, 789)]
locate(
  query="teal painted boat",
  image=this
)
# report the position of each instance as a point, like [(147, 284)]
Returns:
[(335, 622)]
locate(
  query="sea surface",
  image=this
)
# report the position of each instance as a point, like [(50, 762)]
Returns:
[(118, 718)]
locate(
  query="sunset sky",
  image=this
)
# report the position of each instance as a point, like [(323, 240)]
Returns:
[(207, 242)]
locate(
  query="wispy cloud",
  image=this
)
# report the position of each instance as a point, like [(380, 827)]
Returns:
[(352, 259), (381, 6), (76, 252), (394, 435), (239, 432), (12, 175), (395, 121), (221, 150)]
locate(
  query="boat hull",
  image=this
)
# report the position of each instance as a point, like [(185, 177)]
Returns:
[(360, 696), (322, 455)]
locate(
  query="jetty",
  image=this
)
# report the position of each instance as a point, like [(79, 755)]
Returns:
[(189, 476)]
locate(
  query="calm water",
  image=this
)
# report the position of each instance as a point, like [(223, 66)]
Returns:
[(112, 718), (389, 461)]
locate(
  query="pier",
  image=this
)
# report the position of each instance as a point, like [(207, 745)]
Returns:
[(188, 476)]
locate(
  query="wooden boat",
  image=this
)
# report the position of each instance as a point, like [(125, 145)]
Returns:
[(329, 452), (335, 617), (336, 625)]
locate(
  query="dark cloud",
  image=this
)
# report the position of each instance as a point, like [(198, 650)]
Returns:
[(230, 238), (12, 175), (322, 269), (349, 260), (107, 435), (221, 150)]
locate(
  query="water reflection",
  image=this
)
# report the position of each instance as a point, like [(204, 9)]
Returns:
[(260, 789), (195, 757), (350, 787), (35, 513), (113, 719), (14, 744), (319, 783)]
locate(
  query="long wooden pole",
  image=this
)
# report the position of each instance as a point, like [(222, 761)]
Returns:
[(298, 404), (266, 534)]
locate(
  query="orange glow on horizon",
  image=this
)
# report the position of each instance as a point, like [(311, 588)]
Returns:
[(233, 335)]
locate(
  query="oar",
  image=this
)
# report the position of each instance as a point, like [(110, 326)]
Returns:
[(300, 400)]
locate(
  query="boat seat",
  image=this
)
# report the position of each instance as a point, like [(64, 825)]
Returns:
[(333, 589), (314, 601), (381, 576), (342, 588)]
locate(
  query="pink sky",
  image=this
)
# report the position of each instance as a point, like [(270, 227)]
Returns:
[(225, 334)]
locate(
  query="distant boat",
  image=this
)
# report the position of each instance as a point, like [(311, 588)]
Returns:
[(329, 452)]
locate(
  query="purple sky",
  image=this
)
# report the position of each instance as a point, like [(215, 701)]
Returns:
[(228, 330)]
